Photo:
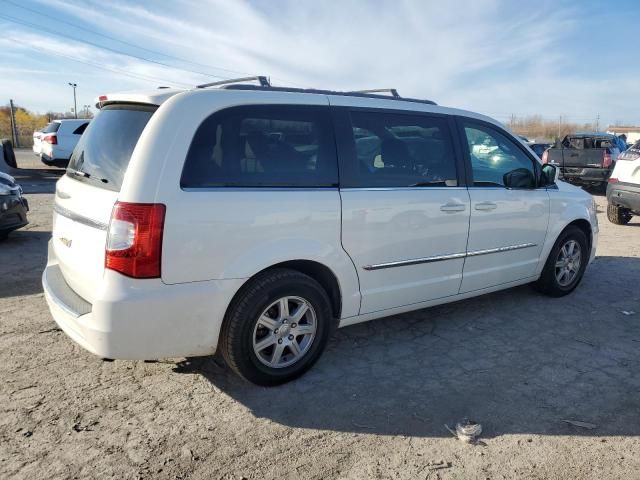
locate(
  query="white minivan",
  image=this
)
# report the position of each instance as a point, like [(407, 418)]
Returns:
[(253, 220)]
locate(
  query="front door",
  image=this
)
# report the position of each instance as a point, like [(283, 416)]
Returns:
[(509, 215), (405, 219)]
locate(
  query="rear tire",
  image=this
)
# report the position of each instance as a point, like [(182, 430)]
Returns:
[(618, 215), (565, 265), (267, 311)]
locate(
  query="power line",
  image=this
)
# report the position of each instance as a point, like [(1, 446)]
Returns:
[(75, 25), (96, 65), (38, 27)]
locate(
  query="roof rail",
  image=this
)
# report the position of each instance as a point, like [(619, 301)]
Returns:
[(263, 80), (392, 91), (362, 94)]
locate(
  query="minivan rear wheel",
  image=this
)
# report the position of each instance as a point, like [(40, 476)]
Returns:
[(276, 327), (566, 263)]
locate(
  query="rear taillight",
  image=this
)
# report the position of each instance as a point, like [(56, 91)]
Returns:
[(134, 240), (607, 160), (52, 139), (613, 180), (545, 156)]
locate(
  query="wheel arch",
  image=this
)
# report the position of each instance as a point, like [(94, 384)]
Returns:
[(316, 270), (583, 225)]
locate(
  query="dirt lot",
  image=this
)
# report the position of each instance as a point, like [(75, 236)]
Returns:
[(374, 406)]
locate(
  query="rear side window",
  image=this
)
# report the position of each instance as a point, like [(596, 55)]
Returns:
[(398, 150), (103, 152), (51, 128), (263, 146), (80, 130)]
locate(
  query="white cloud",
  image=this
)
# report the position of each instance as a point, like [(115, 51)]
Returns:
[(487, 55)]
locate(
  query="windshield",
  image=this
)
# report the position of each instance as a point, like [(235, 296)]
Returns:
[(103, 152)]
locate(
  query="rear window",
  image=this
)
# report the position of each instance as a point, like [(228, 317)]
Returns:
[(103, 152), (51, 128), (263, 146), (632, 153)]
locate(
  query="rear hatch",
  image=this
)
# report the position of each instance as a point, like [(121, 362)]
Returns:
[(85, 195), (627, 167)]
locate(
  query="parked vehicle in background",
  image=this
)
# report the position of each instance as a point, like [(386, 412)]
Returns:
[(253, 220), (13, 206), (585, 158), (58, 140), (623, 189), (539, 148), (7, 156), (37, 145)]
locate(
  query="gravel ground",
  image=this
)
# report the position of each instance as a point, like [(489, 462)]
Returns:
[(374, 406)]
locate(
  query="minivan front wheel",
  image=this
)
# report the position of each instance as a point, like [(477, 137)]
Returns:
[(566, 263), (276, 327)]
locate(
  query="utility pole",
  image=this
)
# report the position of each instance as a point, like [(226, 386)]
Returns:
[(598, 122), (75, 104), (513, 120), (559, 125), (86, 111), (14, 127)]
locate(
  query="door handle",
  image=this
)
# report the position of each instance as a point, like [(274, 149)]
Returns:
[(453, 207), (486, 206)]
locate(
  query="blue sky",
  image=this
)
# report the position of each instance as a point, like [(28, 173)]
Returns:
[(576, 59)]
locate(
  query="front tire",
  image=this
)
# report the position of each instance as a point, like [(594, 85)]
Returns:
[(618, 215), (276, 327), (565, 265)]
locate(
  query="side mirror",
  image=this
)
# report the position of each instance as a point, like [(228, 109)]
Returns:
[(519, 178), (550, 174)]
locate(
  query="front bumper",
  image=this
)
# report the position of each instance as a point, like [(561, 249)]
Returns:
[(586, 175), (13, 212), (140, 319), (625, 195)]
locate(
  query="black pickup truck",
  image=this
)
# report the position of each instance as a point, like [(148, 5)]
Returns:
[(585, 158)]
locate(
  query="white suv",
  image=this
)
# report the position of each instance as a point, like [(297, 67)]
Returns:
[(55, 143), (253, 220), (623, 188)]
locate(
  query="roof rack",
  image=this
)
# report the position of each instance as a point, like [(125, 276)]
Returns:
[(265, 84), (263, 80), (392, 91), (361, 94)]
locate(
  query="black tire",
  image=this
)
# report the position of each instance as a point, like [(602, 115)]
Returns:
[(618, 215), (9, 154), (237, 334), (548, 283), (3, 235)]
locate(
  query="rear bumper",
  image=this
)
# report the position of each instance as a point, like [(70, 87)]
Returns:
[(13, 213), (584, 175), (625, 195), (53, 162), (140, 319)]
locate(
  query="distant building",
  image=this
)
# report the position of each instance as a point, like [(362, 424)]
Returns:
[(632, 133)]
